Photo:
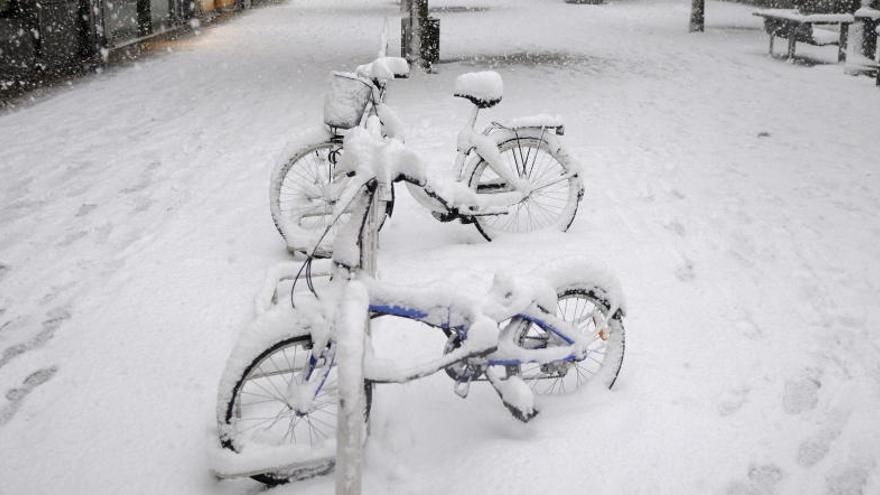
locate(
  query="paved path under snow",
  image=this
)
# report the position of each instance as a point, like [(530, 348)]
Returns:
[(735, 195)]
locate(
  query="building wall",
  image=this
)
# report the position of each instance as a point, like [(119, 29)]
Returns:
[(39, 37)]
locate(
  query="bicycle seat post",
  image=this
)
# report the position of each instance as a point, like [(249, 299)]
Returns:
[(475, 112)]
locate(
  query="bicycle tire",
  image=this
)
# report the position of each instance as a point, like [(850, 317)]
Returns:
[(604, 358), (308, 180), (268, 390), (555, 205)]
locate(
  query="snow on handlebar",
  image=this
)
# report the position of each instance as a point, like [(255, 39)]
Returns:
[(383, 69), (370, 156)]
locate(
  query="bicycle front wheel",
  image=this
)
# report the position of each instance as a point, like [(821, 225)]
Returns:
[(555, 192), (303, 194), (267, 408)]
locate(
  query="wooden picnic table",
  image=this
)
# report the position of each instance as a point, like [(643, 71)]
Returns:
[(795, 26)]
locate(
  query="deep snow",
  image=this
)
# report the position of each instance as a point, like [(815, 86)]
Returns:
[(734, 195)]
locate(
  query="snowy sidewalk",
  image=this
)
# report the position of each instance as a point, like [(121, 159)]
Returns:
[(735, 195)]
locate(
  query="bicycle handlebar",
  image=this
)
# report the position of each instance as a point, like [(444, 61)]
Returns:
[(383, 69)]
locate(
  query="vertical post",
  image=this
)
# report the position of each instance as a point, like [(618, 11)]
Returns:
[(869, 37), (792, 39), (698, 16), (841, 44), (771, 44), (406, 29), (350, 335), (418, 19), (102, 36), (144, 17)]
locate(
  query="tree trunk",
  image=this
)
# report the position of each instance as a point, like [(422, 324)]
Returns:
[(698, 15), (418, 16)]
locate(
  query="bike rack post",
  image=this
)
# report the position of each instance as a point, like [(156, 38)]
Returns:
[(350, 425)]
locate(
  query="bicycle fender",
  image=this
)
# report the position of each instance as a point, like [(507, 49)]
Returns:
[(501, 135)]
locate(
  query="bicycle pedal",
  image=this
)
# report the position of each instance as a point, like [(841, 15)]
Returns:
[(444, 217), (462, 388)]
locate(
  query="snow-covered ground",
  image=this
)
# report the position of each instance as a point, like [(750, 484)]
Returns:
[(734, 194)]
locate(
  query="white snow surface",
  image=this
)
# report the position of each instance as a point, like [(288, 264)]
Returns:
[(867, 12), (734, 196), (539, 120)]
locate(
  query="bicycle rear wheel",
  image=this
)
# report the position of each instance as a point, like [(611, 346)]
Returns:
[(263, 409), (555, 190), (576, 305)]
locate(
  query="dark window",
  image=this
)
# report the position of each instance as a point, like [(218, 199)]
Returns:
[(8, 8)]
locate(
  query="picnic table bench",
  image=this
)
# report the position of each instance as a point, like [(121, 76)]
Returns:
[(867, 19), (797, 27)]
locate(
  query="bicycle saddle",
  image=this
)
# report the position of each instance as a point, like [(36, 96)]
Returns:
[(483, 89)]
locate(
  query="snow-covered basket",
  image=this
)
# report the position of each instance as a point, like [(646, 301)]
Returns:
[(347, 100)]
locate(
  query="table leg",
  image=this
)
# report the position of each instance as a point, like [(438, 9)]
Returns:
[(791, 43), (771, 44), (841, 44)]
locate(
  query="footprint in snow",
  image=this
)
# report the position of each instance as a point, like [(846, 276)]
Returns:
[(685, 271), (801, 394), (141, 204), (4, 269), (71, 238), (675, 226), (146, 179), (815, 448), (16, 395), (762, 479), (732, 400), (13, 324), (85, 209), (56, 317), (849, 481)]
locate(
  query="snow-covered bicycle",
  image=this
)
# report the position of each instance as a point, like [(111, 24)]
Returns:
[(512, 177), (550, 332)]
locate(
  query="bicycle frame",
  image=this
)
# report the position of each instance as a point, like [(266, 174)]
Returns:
[(457, 316), (500, 354), (471, 147)]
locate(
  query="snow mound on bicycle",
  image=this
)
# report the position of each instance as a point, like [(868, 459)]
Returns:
[(486, 86)]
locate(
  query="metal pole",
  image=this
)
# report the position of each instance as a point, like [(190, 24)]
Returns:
[(350, 383), (350, 424)]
